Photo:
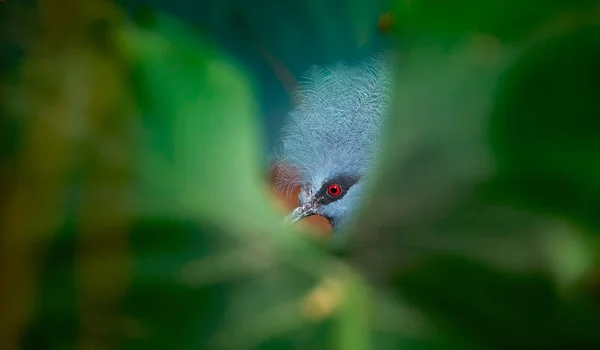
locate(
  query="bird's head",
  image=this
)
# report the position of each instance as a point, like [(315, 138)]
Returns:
[(331, 137), (334, 198)]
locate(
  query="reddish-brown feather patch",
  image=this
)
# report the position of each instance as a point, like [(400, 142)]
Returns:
[(316, 224)]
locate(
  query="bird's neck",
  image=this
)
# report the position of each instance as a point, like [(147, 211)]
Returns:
[(336, 223)]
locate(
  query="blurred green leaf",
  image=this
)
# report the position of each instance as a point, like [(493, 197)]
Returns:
[(140, 219), (483, 303), (487, 156), (354, 322)]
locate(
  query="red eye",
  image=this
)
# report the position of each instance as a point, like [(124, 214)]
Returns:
[(334, 190)]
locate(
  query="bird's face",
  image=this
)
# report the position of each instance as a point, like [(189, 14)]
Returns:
[(334, 198)]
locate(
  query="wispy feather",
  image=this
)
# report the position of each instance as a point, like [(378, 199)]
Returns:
[(336, 124)]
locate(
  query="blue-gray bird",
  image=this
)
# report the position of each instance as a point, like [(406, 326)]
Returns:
[(331, 138)]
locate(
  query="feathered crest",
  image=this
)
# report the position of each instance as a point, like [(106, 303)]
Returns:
[(336, 124)]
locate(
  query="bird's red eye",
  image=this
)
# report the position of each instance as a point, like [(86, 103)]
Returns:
[(334, 190)]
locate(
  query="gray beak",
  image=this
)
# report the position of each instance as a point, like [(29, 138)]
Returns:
[(300, 213)]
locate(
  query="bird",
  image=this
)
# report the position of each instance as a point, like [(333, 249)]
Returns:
[(330, 139)]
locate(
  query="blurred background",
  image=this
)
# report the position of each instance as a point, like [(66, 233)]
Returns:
[(136, 208)]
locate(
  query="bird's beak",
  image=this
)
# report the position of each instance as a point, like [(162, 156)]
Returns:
[(300, 213)]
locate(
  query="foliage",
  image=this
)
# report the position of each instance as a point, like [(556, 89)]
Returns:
[(135, 215)]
